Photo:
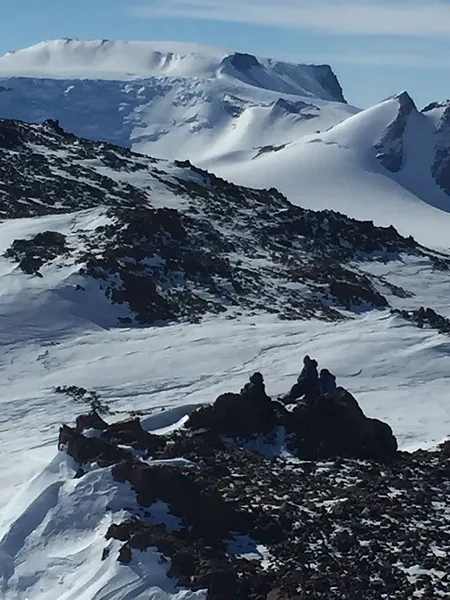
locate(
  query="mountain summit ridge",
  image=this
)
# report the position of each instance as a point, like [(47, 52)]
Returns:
[(117, 59)]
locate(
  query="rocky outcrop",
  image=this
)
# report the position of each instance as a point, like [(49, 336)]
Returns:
[(43, 248), (327, 428), (440, 168), (252, 525), (390, 147), (426, 317), (338, 427)]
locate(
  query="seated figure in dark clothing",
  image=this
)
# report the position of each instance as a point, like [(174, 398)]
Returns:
[(255, 389), (307, 385), (327, 382)]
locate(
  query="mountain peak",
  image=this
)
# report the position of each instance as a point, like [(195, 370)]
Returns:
[(241, 62), (404, 99), (406, 102)]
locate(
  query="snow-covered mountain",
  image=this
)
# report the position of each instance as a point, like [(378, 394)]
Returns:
[(168, 99), (388, 163), (168, 241)]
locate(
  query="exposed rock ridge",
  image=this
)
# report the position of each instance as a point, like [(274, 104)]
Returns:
[(390, 149)]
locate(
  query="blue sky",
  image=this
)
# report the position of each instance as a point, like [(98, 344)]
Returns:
[(376, 47)]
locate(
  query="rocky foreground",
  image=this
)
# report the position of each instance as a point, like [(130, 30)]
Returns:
[(279, 503)]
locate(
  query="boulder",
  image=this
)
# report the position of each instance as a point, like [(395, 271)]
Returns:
[(330, 427), (91, 420), (127, 433), (243, 415), (131, 433), (90, 449), (337, 426)]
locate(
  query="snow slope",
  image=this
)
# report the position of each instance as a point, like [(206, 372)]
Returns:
[(168, 99), (52, 526), (55, 526), (376, 165)]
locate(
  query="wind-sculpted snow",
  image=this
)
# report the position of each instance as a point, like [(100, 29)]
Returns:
[(178, 242)]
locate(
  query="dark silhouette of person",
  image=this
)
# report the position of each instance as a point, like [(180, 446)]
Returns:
[(307, 385), (255, 389), (327, 383)]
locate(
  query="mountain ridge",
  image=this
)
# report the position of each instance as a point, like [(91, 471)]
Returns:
[(178, 242), (130, 59), (387, 163), (188, 102)]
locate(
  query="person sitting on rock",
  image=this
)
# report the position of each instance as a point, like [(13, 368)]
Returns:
[(255, 389), (307, 385), (327, 383)]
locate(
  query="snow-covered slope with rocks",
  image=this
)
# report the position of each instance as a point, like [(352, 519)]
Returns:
[(159, 286), (169, 100), (165, 242)]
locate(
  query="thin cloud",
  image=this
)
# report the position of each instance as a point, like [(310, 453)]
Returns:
[(395, 60), (366, 17)]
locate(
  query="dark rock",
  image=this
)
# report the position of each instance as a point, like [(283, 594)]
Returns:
[(106, 552), (32, 254), (92, 449), (249, 413), (131, 433), (427, 317), (390, 149), (125, 554), (331, 427), (125, 433), (337, 426), (445, 448), (91, 420), (278, 594), (199, 443), (352, 295), (242, 62), (214, 518)]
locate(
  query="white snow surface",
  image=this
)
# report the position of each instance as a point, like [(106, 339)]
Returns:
[(51, 526), (111, 59)]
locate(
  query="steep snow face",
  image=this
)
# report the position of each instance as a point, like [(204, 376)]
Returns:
[(388, 164), (170, 100)]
